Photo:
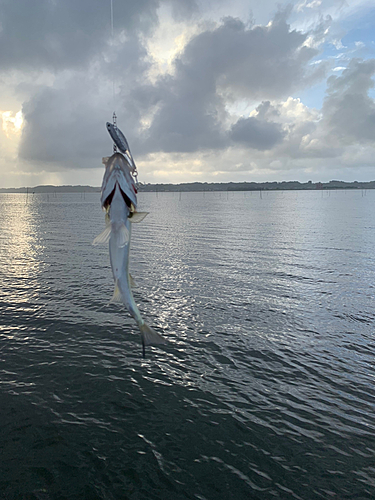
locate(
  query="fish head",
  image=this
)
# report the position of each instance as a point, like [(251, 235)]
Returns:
[(118, 173)]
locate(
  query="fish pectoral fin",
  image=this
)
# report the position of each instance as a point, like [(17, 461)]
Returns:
[(150, 337), (133, 284), (123, 236), (138, 217), (116, 297), (104, 236)]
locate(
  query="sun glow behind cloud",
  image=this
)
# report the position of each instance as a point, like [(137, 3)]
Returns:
[(12, 122), (167, 42)]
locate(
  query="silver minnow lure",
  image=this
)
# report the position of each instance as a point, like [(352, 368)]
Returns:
[(120, 140), (119, 199)]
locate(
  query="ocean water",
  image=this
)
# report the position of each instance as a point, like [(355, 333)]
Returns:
[(266, 387)]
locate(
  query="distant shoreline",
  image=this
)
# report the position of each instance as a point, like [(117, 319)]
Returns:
[(52, 189), (206, 186)]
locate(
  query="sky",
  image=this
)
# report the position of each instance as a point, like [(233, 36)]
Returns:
[(204, 90)]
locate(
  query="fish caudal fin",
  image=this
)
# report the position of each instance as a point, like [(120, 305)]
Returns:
[(103, 237), (137, 217), (116, 297), (150, 337)]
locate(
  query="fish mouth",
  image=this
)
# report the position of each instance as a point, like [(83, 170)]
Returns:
[(109, 198)]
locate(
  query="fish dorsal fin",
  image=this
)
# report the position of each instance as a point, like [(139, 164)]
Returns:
[(138, 217), (116, 297), (103, 237), (123, 236)]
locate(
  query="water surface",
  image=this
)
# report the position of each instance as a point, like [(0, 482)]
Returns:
[(266, 389)]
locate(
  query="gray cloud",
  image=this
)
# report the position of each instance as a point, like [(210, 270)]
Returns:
[(257, 134), (345, 123), (187, 116), (56, 129), (183, 112), (257, 62), (183, 9), (345, 126), (65, 34), (70, 107), (231, 61), (349, 111), (64, 124), (187, 111)]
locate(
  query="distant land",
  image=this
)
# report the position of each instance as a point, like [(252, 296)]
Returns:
[(52, 189), (205, 186)]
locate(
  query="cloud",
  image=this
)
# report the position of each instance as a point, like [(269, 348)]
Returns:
[(349, 111), (66, 34), (183, 9), (345, 126), (64, 122), (258, 134), (186, 118), (224, 108), (51, 132), (188, 109), (257, 62), (183, 112)]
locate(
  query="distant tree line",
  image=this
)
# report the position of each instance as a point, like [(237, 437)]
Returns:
[(256, 186), (205, 186), (52, 189)]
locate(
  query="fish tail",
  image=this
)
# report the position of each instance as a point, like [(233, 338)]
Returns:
[(150, 337)]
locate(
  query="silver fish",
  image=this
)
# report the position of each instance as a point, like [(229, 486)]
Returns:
[(118, 198)]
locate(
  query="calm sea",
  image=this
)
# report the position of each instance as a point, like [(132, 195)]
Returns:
[(266, 389)]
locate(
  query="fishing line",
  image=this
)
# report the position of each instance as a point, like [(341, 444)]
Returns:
[(114, 118), (118, 135), (113, 72), (112, 17)]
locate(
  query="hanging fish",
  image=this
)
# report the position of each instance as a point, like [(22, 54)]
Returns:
[(119, 199)]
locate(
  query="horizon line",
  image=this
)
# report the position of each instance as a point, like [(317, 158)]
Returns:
[(334, 183)]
